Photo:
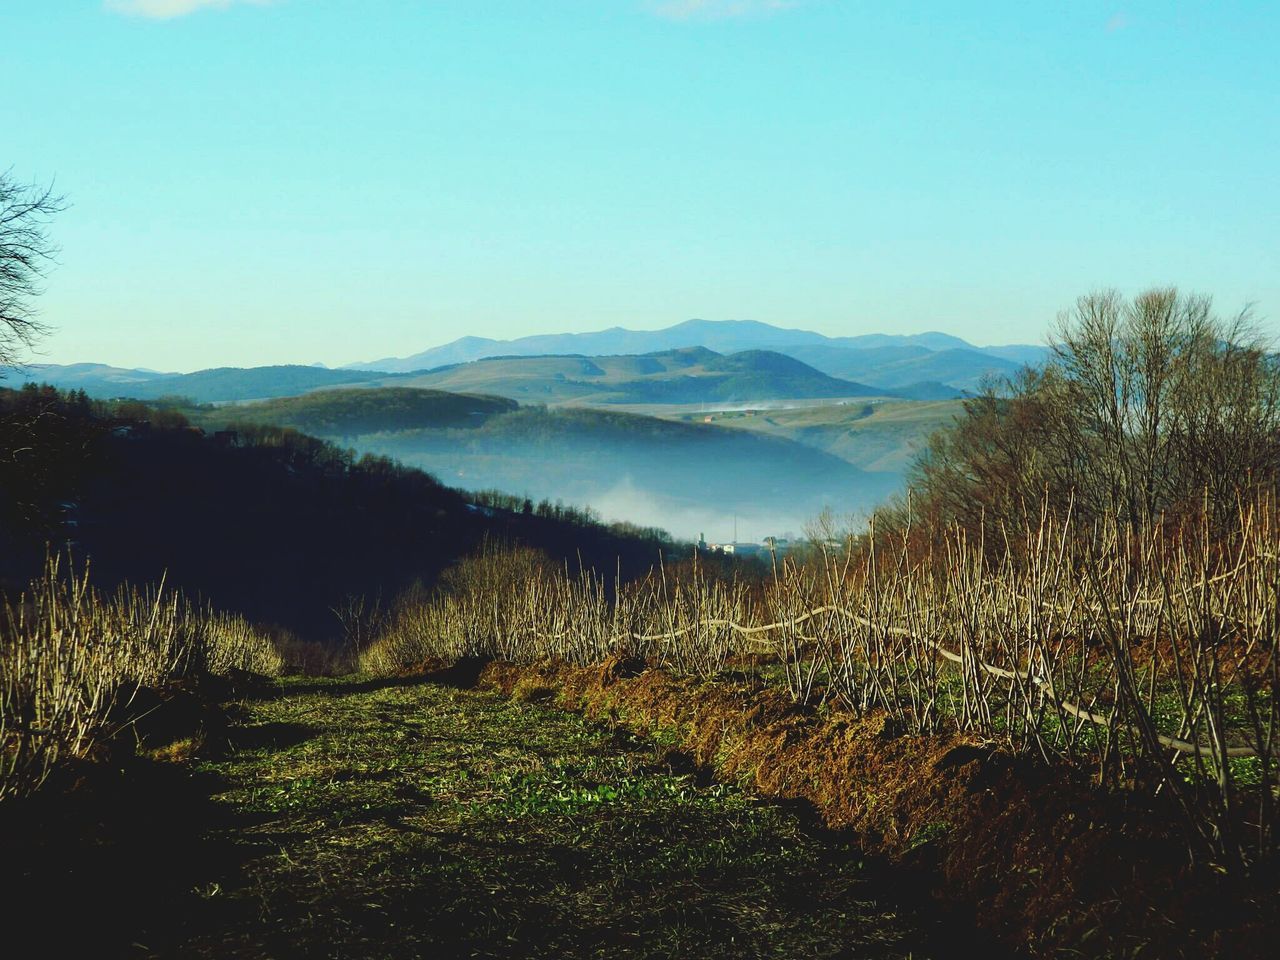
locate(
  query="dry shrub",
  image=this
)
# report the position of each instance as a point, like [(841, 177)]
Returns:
[(76, 665), (1051, 862), (1146, 660)]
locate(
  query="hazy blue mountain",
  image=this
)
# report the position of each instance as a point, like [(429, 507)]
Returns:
[(925, 373), (684, 375), (74, 376), (964, 369), (218, 384), (918, 366), (853, 363), (931, 340), (1022, 353), (923, 364), (722, 336)]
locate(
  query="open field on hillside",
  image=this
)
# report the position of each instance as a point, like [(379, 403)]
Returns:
[(363, 818), (1109, 703)]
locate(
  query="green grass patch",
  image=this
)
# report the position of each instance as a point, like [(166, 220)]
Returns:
[(418, 820)]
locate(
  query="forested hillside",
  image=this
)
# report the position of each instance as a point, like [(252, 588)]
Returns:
[(352, 413), (267, 521)]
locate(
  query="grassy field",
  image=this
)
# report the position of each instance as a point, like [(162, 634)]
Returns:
[(363, 818)]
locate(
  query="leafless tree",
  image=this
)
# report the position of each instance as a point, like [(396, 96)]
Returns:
[(25, 252), (1149, 408)]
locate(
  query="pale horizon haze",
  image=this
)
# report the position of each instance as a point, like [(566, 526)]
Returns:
[(295, 181)]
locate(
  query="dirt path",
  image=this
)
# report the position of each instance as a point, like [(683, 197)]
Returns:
[(355, 819)]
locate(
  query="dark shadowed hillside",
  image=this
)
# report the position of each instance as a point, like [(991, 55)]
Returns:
[(352, 412), (272, 523)]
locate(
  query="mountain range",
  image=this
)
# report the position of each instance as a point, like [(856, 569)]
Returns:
[(739, 360), (686, 375), (882, 360), (691, 375)]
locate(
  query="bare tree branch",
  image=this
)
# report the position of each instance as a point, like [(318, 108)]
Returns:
[(25, 252)]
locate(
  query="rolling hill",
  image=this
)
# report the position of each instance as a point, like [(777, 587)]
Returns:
[(92, 377), (687, 375), (219, 384), (899, 367), (691, 476), (875, 436), (339, 414), (275, 524), (696, 361)]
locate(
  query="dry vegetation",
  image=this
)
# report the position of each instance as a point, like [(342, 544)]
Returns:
[(1079, 735), (1150, 660), (74, 661)]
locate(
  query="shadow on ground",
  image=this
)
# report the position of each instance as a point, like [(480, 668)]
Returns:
[(412, 818), (115, 863)]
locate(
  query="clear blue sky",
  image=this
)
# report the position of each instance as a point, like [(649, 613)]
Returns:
[(327, 180)]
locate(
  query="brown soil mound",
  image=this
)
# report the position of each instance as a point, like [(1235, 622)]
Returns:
[(1037, 854)]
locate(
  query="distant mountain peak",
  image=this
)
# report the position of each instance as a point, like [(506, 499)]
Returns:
[(723, 336), (929, 363)]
